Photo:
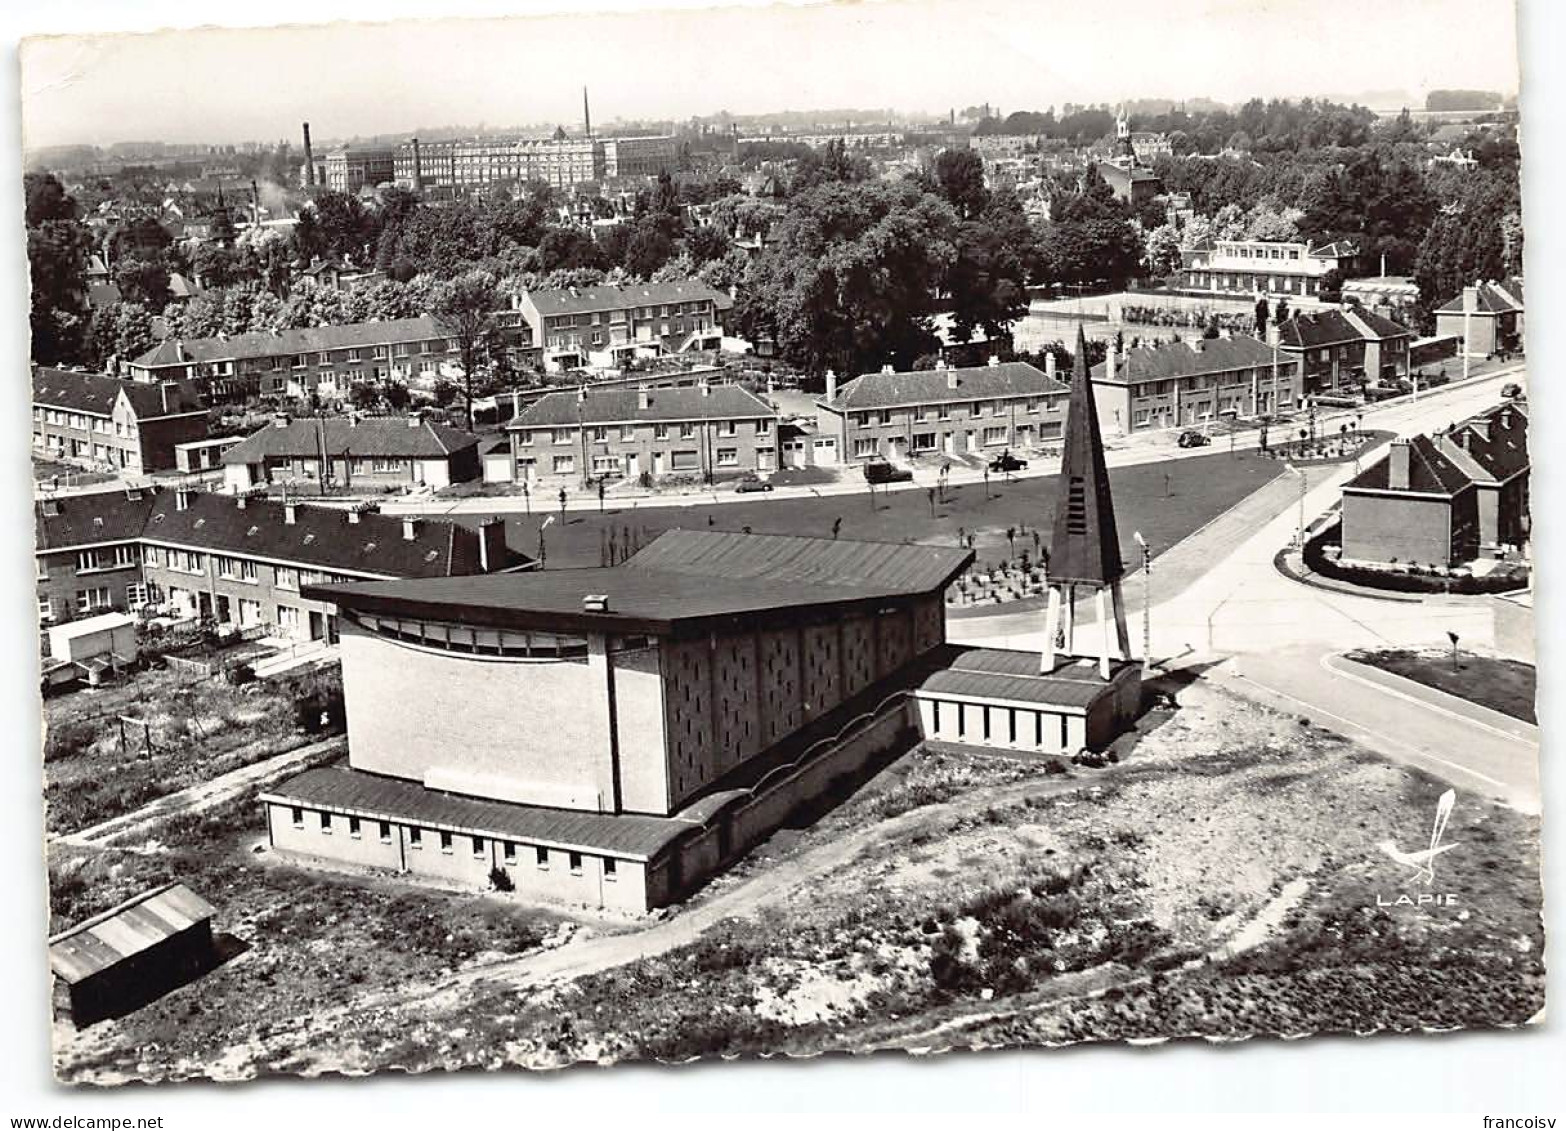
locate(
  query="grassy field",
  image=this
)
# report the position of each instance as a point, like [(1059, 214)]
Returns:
[(1502, 685), (200, 728), (1165, 501), (1223, 878)]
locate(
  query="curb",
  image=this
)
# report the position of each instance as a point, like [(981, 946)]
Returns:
[(1386, 682)]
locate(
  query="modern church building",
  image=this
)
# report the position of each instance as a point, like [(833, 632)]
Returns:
[(612, 737)]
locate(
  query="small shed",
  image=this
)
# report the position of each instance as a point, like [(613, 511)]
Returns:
[(118, 961), (196, 456), (105, 636), (497, 461)]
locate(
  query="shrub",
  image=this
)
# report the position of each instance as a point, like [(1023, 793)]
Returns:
[(500, 879)]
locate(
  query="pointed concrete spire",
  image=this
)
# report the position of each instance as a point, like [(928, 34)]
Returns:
[(1085, 547)]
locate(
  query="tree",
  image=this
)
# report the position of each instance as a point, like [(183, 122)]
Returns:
[(144, 281), (118, 331), (57, 248), (959, 174), (464, 309)]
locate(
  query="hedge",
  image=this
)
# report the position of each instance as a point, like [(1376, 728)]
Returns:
[(1503, 580)]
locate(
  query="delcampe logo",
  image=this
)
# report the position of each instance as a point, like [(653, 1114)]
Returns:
[(1423, 860)]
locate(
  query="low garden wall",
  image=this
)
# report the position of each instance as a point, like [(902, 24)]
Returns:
[(1319, 558)]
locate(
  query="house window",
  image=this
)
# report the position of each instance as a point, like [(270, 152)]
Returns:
[(287, 578), (763, 427), (924, 441), (385, 831), (415, 838), (728, 428), (478, 848), (627, 432), (575, 860), (728, 457), (542, 856), (683, 460), (508, 851), (660, 431), (445, 843), (687, 430), (994, 436), (606, 464), (561, 435), (600, 435), (609, 867), (45, 608), (863, 448), (96, 598), (298, 816), (564, 465), (353, 827), (326, 822)]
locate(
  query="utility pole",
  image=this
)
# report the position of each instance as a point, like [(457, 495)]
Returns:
[(1147, 600)]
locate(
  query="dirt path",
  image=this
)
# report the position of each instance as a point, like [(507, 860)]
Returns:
[(198, 798)]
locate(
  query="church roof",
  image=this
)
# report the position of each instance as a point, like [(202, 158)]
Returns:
[(1085, 546)]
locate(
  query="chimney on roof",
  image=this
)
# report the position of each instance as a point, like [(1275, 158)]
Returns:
[(280, 420), (410, 529), (414, 420), (182, 497), (1470, 298), (886, 369), (290, 513), (1398, 466), (643, 398), (705, 387), (595, 603), (831, 386), (492, 544), (994, 360), (951, 379), (1049, 365), (353, 516)]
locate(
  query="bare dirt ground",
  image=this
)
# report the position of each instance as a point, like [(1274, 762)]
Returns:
[(1223, 879)]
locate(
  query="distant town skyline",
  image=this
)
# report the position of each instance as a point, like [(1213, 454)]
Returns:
[(368, 79)]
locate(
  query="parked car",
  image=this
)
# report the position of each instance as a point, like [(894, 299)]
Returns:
[(752, 483), (879, 471), (1511, 390), (1191, 438), (1007, 462)]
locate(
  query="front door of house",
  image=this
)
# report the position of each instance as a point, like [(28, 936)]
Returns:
[(658, 463), (633, 465)]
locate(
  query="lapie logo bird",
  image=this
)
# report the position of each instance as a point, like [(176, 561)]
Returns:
[(1423, 861)]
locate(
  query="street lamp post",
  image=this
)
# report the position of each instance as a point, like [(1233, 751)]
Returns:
[(1147, 599), (1300, 538)]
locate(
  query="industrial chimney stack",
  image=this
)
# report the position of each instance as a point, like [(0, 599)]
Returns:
[(309, 158), (587, 118), (418, 168), (255, 204)]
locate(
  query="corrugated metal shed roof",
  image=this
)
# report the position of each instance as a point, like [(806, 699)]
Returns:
[(380, 798), (134, 926)]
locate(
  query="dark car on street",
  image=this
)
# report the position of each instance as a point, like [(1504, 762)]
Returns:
[(1511, 390), (1007, 462), (1191, 438), (879, 471), (752, 483)]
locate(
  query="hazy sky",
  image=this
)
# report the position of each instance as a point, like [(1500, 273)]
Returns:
[(230, 85)]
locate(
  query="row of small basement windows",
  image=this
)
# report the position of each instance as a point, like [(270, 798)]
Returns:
[(508, 848)]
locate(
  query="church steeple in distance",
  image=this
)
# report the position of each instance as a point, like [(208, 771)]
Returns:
[(1085, 546)]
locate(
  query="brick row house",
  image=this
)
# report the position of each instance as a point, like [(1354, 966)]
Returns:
[(1177, 384), (1487, 316), (322, 361), (1444, 499), (707, 431), (239, 560), (980, 409), (353, 451), (105, 423), (1344, 349), (607, 326)]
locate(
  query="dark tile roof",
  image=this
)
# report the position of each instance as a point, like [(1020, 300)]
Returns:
[(587, 300), (1336, 327), (682, 576), (612, 406), (1431, 471), (367, 437), (318, 538), (262, 343), (96, 393), (993, 673), (934, 386), (84, 520), (121, 932), (372, 796), (1492, 446), (1191, 356), (1492, 298)]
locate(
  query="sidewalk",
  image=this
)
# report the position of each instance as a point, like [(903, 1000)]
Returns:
[(1437, 700)]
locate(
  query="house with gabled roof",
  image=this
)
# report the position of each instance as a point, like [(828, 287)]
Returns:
[(607, 325), (705, 430), (370, 452), (1487, 316), (102, 422), (981, 409), (1343, 350), (1182, 383), (237, 559), (1444, 499)]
